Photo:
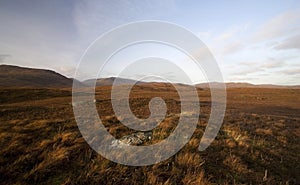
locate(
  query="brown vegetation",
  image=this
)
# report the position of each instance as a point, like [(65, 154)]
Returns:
[(257, 144), (15, 76)]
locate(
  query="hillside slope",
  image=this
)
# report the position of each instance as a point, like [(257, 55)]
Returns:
[(109, 81), (14, 76)]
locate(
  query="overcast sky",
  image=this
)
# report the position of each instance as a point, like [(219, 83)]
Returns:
[(252, 41)]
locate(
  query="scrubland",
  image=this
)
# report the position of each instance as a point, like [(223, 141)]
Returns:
[(258, 142)]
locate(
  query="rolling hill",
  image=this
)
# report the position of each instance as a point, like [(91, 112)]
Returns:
[(247, 85), (108, 81), (15, 76)]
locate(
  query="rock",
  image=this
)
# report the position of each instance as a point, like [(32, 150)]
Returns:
[(136, 138)]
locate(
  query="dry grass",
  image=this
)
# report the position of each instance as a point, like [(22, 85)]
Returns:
[(257, 144)]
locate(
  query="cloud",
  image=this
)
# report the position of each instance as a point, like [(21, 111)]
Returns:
[(204, 35), (240, 79), (3, 57), (281, 25), (257, 67), (272, 63), (294, 71), (246, 71), (289, 43), (232, 33), (268, 63), (227, 35), (232, 47), (93, 18), (40, 34), (230, 41)]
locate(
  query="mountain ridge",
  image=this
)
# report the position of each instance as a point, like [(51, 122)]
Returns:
[(16, 76), (244, 85)]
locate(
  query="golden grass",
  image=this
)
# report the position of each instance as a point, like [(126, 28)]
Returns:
[(41, 144)]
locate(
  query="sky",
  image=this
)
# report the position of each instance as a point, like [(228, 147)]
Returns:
[(252, 41)]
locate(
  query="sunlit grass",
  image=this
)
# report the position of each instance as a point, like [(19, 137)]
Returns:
[(42, 144)]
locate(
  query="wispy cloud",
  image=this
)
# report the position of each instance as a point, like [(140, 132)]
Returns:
[(229, 41), (266, 48), (54, 34), (38, 36), (272, 63), (248, 71), (225, 36), (264, 69), (3, 57), (232, 47), (289, 43), (204, 35), (268, 63), (240, 79), (279, 26), (229, 34), (295, 71), (92, 17)]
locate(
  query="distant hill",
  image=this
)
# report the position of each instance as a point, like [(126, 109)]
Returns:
[(123, 81), (109, 81), (14, 76), (246, 85)]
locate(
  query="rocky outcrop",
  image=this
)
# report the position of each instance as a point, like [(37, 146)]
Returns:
[(137, 138)]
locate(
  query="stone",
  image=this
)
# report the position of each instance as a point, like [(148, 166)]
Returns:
[(137, 138)]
